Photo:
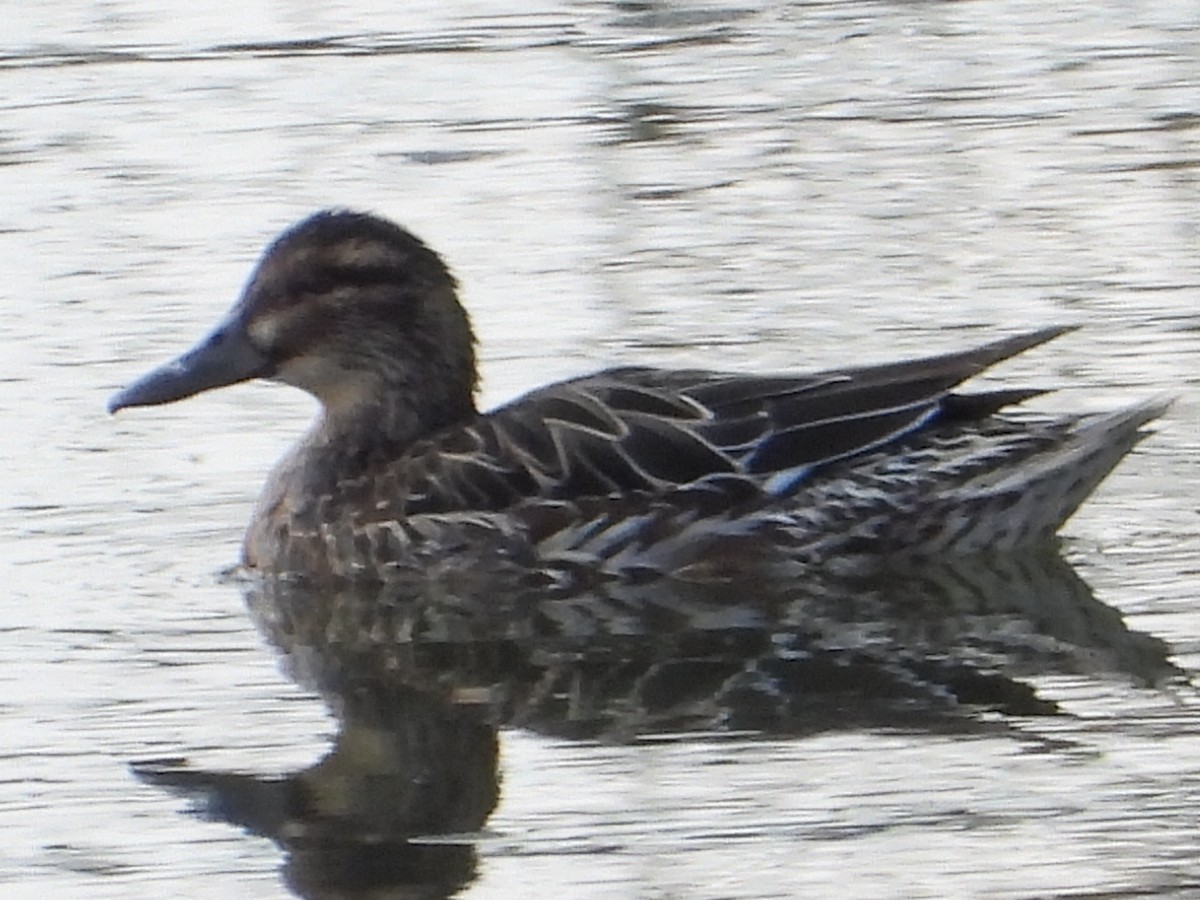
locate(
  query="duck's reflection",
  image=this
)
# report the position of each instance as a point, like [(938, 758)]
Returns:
[(406, 766), (421, 678)]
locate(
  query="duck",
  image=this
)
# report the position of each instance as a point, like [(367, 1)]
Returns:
[(624, 473)]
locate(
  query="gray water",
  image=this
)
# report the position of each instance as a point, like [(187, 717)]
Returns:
[(753, 186)]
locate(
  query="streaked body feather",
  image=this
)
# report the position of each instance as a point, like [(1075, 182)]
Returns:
[(697, 474)]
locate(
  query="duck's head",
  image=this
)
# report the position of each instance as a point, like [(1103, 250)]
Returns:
[(349, 307)]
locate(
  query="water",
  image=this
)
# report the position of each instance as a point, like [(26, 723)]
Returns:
[(714, 185)]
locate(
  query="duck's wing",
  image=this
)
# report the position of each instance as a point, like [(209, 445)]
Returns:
[(652, 431)]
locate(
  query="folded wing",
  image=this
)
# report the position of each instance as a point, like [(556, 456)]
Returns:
[(642, 431)]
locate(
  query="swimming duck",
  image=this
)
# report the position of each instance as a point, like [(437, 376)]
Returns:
[(626, 471)]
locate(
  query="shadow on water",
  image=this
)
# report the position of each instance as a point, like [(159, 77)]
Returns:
[(421, 679)]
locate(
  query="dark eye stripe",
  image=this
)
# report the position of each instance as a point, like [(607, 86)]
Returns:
[(326, 279)]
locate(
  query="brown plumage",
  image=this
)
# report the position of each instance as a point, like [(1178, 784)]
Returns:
[(625, 471)]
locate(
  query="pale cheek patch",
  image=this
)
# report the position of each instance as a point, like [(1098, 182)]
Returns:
[(314, 374), (337, 388), (264, 330)]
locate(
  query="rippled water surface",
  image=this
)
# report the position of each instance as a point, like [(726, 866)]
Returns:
[(753, 186)]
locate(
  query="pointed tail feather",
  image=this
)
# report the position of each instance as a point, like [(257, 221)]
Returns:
[(1033, 501)]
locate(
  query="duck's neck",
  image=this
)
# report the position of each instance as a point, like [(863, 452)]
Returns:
[(377, 424), (339, 462), (350, 439)]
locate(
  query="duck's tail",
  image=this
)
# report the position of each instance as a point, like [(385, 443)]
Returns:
[(1028, 503), (997, 486)]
